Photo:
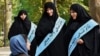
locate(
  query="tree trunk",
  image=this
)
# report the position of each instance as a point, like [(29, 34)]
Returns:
[(94, 6), (7, 19)]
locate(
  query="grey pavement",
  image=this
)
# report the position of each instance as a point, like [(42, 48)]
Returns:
[(4, 51)]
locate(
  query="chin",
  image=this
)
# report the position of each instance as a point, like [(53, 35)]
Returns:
[(74, 18)]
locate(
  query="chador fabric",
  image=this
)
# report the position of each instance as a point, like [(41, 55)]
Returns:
[(91, 39), (45, 26)]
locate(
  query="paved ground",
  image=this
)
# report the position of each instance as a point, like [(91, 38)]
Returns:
[(4, 51)]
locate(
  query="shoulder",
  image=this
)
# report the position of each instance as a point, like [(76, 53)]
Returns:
[(96, 29)]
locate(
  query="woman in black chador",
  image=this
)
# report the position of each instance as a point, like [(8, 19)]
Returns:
[(88, 44), (21, 25), (45, 26)]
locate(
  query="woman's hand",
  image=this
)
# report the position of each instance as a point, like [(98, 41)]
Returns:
[(80, 41), (28, 45)]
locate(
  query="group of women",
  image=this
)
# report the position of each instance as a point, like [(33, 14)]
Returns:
[(53, 37)]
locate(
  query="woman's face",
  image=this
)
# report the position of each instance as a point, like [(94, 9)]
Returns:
[(73, 14), (23, 16), (50, 11)]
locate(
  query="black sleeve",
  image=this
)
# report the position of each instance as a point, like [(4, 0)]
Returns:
[(10, 33), (97, 42)]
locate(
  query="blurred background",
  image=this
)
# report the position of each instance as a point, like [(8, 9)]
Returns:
[(10, 8)]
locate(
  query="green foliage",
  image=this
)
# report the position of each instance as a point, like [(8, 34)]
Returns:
[(63, 8), (1, 43), (16, 6), (64, 5), (33, 8), (85, 2)]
